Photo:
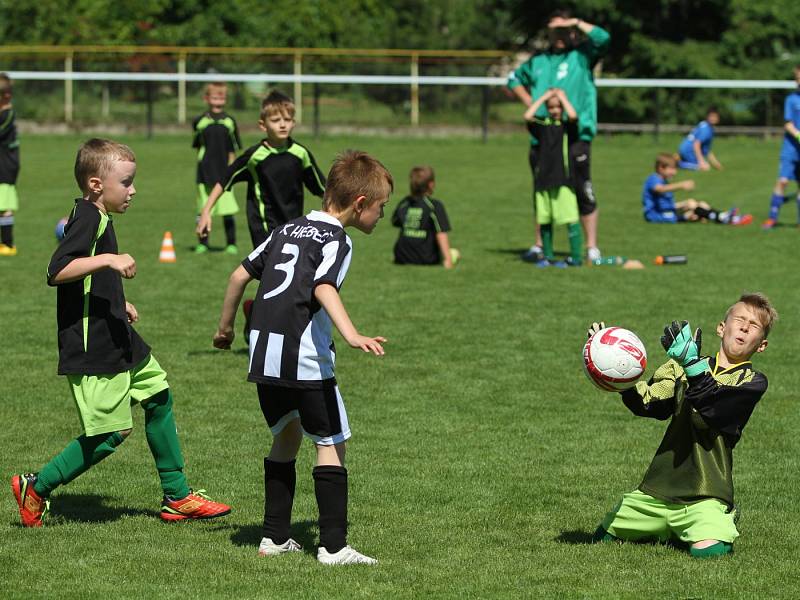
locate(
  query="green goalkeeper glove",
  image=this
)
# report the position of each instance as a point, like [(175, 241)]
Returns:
[(684, 348)]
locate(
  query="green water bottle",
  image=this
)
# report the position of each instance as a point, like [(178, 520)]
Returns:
[(609, 260)]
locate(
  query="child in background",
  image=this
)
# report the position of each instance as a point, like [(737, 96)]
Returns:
[(658, 201), (556, 202), (423, 225), (9, 168), (216, 138), (695, 149), (789, 169), (108, 366), (301, 267)]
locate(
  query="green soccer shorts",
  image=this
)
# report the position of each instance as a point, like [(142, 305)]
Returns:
[(640, 517), (104, 401), (226, 204), (558, 206), (8, 197)]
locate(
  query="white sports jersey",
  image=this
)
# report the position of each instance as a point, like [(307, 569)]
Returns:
[(290, 339)]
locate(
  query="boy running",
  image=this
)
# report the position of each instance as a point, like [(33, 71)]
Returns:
[(687, 493), (301, 267), (107, 365)]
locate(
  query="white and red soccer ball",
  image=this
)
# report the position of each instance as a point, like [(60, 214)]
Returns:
[(614, 359)]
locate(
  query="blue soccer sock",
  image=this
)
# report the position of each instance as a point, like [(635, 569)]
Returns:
[(775, 204)]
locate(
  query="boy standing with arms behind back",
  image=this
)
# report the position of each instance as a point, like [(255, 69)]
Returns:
[(301, 267), (108, 366), (216, 138)]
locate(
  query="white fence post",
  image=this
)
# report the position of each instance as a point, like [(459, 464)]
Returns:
[(415, 89), (181, 89), (298, 87)]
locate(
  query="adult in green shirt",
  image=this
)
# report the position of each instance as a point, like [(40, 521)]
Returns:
[(568, 65)]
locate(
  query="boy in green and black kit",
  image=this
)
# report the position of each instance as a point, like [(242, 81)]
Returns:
[(556, 202), (687, 492), (216, 138), (9, 168), (108, 366)]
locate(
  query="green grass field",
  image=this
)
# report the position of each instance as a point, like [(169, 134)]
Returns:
[(482, 459)]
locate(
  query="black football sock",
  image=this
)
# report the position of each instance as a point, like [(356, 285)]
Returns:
[(712, 214), (330, 487), (279, 484), (230, 230), (7, 231)]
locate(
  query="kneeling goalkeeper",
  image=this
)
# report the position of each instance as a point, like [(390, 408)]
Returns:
[(687, 492)]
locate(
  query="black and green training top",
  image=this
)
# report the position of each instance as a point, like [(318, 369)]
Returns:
[(708, 412), (9, 147), (419, 218), (275, 180), (216, 136), (553, 168), (94, 336)]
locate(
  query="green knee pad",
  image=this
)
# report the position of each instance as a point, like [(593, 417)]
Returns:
[(162, 437), (718, 549)]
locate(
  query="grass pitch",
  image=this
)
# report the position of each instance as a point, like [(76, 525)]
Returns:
[(482, 459)]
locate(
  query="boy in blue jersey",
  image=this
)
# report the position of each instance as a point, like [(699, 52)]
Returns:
[(216, 138), (9, 168), (695, 149), (789, 168), (658, 201)]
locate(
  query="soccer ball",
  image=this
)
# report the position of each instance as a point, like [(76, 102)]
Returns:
[(614, 359)]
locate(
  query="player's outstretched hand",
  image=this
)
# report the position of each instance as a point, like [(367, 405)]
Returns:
[(679, 342), (203, 224), (123, 264), (368, 344), (595, 327), (223, 339)]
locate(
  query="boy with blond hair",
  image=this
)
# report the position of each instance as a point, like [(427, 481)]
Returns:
[(276, 170), (108, 366), (9, 168), (687, 492), (658, 200), (423, 224), (301, 267), (216, 138)]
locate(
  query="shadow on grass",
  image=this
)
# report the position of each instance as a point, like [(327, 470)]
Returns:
[(90, 508), (304, 532), (518, 252), (575, 537), (211, 351)]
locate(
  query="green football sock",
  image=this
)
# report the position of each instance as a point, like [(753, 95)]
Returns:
[(162, 437), (575, 241), (718, 549), (80, 454), (547, 240)]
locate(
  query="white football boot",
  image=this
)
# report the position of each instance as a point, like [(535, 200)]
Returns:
[(269, 548), (345, 556)]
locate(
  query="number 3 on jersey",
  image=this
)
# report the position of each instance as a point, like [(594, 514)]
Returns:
[(288, 267)]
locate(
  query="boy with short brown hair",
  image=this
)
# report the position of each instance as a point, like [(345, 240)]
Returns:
[(301, 267), (276, 171), (687, 492), (108, 366)]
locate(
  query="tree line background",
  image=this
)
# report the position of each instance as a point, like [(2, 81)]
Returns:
[(719, 39)]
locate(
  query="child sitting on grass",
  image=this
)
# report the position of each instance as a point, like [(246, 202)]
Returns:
[(658, 200)]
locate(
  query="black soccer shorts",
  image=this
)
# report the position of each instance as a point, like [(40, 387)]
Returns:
[(321, 412)]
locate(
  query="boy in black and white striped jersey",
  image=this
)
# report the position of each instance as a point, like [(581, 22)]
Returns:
[(301, 267)]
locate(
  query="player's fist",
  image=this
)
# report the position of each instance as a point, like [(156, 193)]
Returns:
[(594, 328), (688, 185), (123, 264), (203, 224), (223, 339)]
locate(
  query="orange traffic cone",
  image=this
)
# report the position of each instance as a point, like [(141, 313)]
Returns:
[(167, 254)]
